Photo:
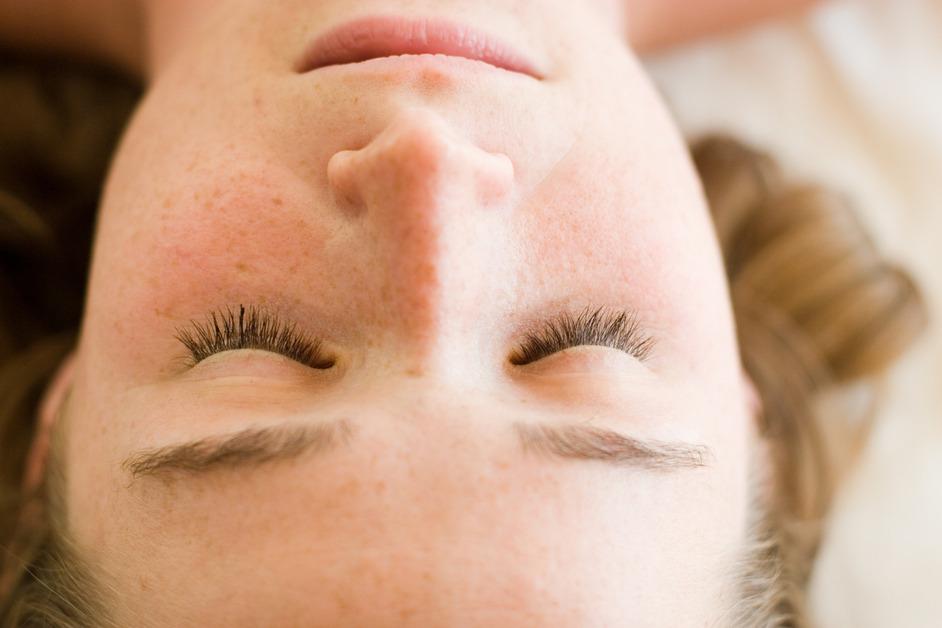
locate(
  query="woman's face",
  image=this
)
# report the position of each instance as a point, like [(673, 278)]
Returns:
[(419, 219)]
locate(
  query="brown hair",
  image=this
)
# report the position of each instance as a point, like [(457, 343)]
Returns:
[(816, 307), (815, 303), (57, 133)]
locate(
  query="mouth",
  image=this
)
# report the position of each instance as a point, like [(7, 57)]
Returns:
[(386, 36)]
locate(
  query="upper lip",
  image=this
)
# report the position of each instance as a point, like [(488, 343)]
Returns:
[(383, 36)]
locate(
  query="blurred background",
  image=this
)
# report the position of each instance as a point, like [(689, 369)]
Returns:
[(850, 95)]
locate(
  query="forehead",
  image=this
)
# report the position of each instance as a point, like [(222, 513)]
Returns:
[(362, 537)]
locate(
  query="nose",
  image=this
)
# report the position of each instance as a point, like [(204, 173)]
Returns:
[(419, 165), (431, 207)]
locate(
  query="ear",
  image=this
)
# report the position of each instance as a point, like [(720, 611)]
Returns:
[(751, 397), (762, 462), (50, 406)]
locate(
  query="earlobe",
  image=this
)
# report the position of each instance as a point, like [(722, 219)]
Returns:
[(50, 407)]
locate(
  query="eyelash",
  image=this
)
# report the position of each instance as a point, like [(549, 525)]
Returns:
[(250, 328), (254, 328), (618, 329)]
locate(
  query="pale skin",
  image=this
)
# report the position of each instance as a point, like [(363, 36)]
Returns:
[(417, 220)]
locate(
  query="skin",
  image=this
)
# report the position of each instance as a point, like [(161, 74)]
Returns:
[(417, 218)]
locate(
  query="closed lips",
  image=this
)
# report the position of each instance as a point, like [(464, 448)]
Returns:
[(374, 37)]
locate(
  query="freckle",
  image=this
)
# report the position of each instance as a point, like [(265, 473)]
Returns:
[(277, 201), (242, 266), (341, 600), (436, 81)]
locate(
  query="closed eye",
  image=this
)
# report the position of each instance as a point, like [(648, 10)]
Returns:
[(251, 328), (616, 329), (255, 328)]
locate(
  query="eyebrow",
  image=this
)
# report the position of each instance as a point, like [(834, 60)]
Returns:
[(254, 447)]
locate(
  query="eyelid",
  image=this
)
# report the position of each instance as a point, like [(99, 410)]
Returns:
[(256, 328), (251, 328), (617, 329)]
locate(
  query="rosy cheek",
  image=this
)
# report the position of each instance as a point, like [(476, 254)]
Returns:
[(592, 227)]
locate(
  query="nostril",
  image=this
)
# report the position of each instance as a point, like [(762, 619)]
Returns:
[(495, 179), (419, 160), (341, 180)]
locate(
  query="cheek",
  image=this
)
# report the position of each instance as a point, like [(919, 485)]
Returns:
[(205, 242), (594, 228), (626, 201), (238, 230)]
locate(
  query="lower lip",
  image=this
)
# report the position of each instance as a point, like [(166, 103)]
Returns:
[(427, 41)]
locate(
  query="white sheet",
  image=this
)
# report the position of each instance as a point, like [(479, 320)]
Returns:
[(851, 95)]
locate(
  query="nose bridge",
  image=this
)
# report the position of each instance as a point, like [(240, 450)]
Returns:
[(423, 195), (433, 403)]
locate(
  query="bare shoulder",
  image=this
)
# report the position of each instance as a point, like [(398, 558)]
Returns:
[(657, 24)]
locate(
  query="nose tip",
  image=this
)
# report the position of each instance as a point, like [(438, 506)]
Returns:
[(417, 158)]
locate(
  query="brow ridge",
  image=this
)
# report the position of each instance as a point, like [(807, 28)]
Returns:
[(256, 446), (586, 442), (246, 448)]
